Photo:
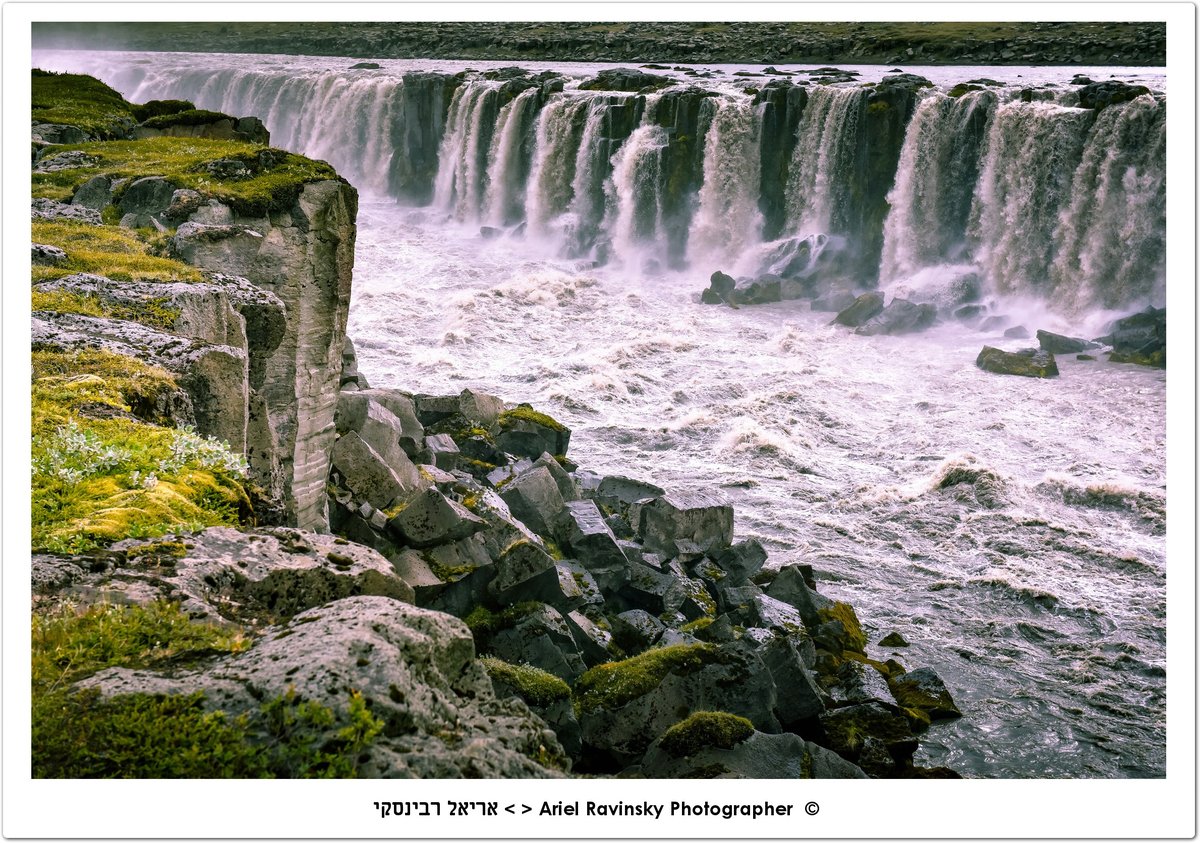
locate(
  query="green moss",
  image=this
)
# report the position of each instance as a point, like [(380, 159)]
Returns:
[(153, 312), (116, 253), (484, 623), (449, 573), (698, 625), (157, 108), (535, 686), (554, 550), (182, 161), (613, 684), (844, 612), (82, 101), (963, 88), (100, 479), (705, 730), (189, 117), (65, 381), (523, 412)]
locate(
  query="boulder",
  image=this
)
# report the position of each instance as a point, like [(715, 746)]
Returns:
[(144, 201), (848, 731), (623, 706), (924, 690), (620, 492), (865, 307), (1140, 338), (649, 589), (775, 615), (1059, 344), (1017, 332), (534, 498), (1029, 362), (562, 479), (543, 640), (835, 301), (414, 668), (431, 519), (1099, 95), (48, 209), (528, 433), (760, 756), (479, 408), (626, 79), (443, 450), (563, 585), (798, 699), (791, 588), (365, 473), (720, 289), (899, 317), (95, 193), (518, 563), (857, 682), (762, 290), (582, 529), (44, 255), (703, 519), (893, 639), (636, 630), (741, 561), (595, 643)]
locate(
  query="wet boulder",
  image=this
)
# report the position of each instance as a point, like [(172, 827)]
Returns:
[(1099, 95), (626, 79), (1059, 344), (720, 289), (1140, 338), (1028, 362), (835, 301), (865, 307), (756, 756), (764, 289), (624, 706), (790, 587), (856, 732), (925, 691), (899, 317)]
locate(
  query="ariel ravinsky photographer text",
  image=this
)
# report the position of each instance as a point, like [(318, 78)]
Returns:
[(655, 809)]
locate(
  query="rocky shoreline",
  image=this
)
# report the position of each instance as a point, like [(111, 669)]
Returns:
[(1118, 44), (318, 587)]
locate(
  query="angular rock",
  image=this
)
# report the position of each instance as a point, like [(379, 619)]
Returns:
[(1141, 338), (761, 756), (526, 433), (582, 529), (144, 201), (1059, 344), (650, 590), (479, 408), (444, 451), (762, 290), (859, 683), (775, 615), (835, 301), (797, 696), (924, 690), (791, 587), (520, 562), (566, 486), (703, 519), (431, 519), (1029, 362), (43, 255), (95, 193), (865, 307), (742, 560), (636, 630), (48, 209), (893, 639), (625, 79), (595, 643), (533, 497), (1099, 95), (899, 317), (543, 640), (365, 473), (617, 491), (847, 729), (719, 291)]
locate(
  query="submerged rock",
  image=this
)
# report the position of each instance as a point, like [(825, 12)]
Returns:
[(899, 317), (1029, 362), (1099, 95), (865, 307)]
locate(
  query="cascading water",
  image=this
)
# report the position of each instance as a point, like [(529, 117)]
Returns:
[(729, 222), (1032, 152), (825, 160), (1011, 529), (935, 181), (1110, 238)]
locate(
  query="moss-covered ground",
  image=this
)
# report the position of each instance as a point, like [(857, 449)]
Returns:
[(121, 254), (82, 101)]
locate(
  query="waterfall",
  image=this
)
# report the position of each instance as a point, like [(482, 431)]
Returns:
[(729, 220), (825, 160), (1033, 150), (1111, 235), (935, 180), (636, 192), (556, 147), (508, 159), (462, 160)]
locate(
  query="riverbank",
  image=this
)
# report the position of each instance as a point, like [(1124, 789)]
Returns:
[(1075, 43)]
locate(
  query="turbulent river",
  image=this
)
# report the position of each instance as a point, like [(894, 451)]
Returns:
[(1011, 529)]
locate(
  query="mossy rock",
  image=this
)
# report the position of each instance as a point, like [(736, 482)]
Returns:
[(534, 685), (856, 639), (705, 730), (159, 108), (524, 412), (963, 88), (190, 117), (611, 685)]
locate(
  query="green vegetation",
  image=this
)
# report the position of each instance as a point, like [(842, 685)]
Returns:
[(485, 623), (613, 684), (844, 612), (83, 735), (697, 626), (158, 108), (116, 253), (523, 412), (99, 477), (534, 685), (152, 312), (704, 730), (82, 101), (271, 187), (189, 117)]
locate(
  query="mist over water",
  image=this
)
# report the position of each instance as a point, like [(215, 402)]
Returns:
[(1012, 529)]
